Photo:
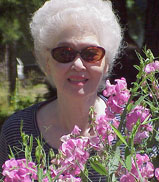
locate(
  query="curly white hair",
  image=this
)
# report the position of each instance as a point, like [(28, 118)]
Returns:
[(94, 16)]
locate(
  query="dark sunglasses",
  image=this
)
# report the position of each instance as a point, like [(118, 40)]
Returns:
[(90, 54)]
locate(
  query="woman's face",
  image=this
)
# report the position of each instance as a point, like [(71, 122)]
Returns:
[(77, 78)]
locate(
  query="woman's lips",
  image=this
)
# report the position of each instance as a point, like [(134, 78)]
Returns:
[(77, 80)]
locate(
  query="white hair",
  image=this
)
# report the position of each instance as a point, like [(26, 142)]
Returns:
[(94, 16)]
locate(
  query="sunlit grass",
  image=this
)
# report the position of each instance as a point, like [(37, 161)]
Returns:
[(26, 95)]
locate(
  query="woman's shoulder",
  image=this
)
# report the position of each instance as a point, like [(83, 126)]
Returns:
[(26, 116)]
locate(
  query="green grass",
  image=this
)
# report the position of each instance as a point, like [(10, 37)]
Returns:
[(24, 97)]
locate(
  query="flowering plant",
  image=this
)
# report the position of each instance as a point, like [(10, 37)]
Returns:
[(123, 146)]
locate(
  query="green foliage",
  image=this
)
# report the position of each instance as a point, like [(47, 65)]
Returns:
[(19, 102), (136, 18), (128, 156), (118, 133), (97, 166), (114, 161), (130, 3), (14, 19), (27, 143), (109, 161), (10, 31), (23, 97)]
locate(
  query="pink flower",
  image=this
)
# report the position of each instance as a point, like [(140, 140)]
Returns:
[(127, 178), (139, 113), (76, 130), (145, 167), (46, 179), (104, 129), (94, 142), (68, 178), (109, 90), (114, 106), (157, 173), (149, 68), (155, 87), (140, 136), (121, 85), (74, 155), (152, 67), (118, 96), (19, 170)]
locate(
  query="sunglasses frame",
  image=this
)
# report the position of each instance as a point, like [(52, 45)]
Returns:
[(79, 52)]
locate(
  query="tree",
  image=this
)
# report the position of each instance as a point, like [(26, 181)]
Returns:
[(152, 26), (124, 65), (14, 21)]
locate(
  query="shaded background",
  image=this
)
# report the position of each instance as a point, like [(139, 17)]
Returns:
[(138, 18)]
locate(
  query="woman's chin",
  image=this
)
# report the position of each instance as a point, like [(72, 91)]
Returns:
[(81, 92), (78, 93)]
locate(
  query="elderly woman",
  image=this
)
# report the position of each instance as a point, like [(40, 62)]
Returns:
[(76, 43)]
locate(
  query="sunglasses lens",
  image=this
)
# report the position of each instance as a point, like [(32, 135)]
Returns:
[(63, 54), (93, 54), (90, 54)]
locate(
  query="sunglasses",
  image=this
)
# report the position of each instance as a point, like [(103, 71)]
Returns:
[(90, 54)]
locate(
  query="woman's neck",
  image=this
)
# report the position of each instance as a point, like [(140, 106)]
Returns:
[(59, 117), (71, 112)]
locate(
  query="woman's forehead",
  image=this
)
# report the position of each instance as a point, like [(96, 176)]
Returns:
[(78, 39)]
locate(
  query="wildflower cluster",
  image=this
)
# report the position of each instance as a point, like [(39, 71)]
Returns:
[(122, 139), (141, 167), (19, 170), (74, 153)]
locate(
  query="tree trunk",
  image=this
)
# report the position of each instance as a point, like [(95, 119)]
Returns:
[(152, 26), (11, 67), (124, 65), (152, 42), (6, 58)]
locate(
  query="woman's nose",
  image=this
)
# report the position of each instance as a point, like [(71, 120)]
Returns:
[(78, 64)]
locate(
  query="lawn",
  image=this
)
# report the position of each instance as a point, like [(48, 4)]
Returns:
[(26, 94)]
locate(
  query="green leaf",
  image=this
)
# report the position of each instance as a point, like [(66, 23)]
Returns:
[(57, 176), (31, 143), (133, 133), (114, 162), (139, 101), (119, 135), (118, 143), (146, 121), (84, 175), (149, 121), (135, 87), (139, 57), (149, 54), (40, 173), (51, 153), (11, 156), (114, 178), (129, 107), (128, 159), (38, 153), (48, 175), (97, 166), (137, 67), (152, 107)]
